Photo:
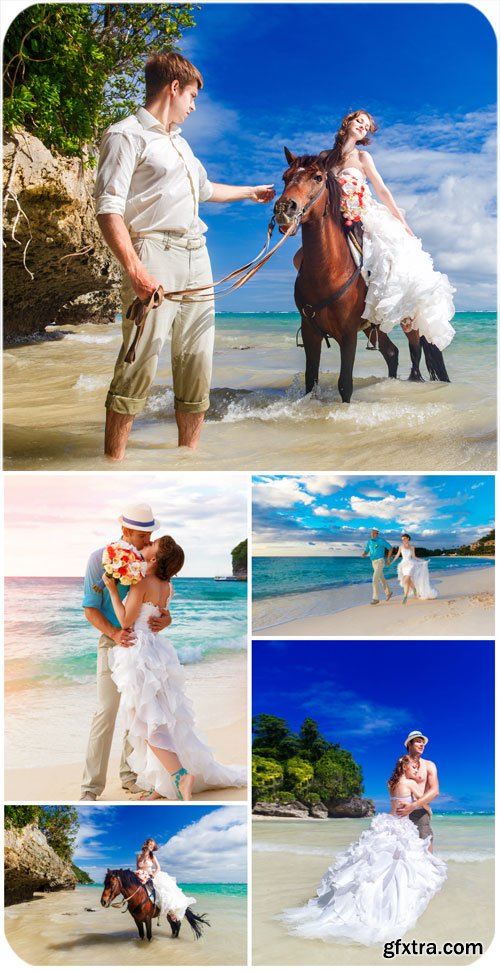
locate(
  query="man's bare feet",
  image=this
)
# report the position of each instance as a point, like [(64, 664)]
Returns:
[(189, 427), (151, 796)]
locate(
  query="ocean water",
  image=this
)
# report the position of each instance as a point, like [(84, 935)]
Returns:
[(209, 620), (276, 576), (292, 856), (259, 417)]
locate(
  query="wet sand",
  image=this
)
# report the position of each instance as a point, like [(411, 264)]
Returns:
[(291, 856), (465, 606), (55, 929)]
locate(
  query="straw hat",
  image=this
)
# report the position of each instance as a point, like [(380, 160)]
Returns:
[(413, 735), (138, 515)]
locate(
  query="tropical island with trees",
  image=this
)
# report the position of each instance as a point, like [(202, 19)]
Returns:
[(303, 774)]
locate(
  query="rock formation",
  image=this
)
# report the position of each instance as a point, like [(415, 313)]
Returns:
[(353, 808), (54, 253), (31, 865)]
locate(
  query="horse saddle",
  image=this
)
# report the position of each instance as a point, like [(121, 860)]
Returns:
[(151, 892)]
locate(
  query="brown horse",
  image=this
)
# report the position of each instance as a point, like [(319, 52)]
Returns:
[(330, 291), (140, 906)]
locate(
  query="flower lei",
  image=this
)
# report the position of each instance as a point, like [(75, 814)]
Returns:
[(352, 203), (122, 561)]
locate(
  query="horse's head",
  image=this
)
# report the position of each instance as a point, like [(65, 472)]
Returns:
[(306, 180), (112, 887)]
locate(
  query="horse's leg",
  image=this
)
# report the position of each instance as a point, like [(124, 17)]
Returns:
[(140, 927), (312, 346), (175, 925), (147, 921), (386, 347), (415, 354), (347, 355)]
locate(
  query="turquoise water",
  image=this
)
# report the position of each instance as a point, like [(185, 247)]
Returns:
[(209, 620), (274, 576), (191, 889)]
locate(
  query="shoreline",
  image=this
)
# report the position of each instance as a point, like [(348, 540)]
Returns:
[(217, 690), (465, 605)]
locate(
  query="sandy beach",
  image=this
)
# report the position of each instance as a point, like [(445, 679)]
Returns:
[(217, 689), (291, 856), (58, 929), (465, 606)]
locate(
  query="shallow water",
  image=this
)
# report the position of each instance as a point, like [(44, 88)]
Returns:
[(56, 929), (293, 855), (259, 419)]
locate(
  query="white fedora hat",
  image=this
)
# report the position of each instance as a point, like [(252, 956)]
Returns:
[(413, 735), (138, 515)]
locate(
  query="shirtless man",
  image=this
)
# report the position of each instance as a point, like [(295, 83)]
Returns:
[(426, 778)]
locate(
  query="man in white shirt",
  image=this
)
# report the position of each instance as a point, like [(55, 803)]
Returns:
[(148, 188)]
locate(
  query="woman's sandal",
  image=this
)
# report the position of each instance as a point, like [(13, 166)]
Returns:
[(405, 598), (176, 777)]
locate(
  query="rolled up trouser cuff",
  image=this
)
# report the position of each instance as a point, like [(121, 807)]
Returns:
[(124, 406), (192, 407)]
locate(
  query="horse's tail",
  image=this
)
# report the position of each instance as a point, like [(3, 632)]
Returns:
[(434, 361), (195, 921)]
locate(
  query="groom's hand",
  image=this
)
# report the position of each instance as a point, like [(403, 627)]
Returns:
[(156, 624), (125, 638), (404, 808)]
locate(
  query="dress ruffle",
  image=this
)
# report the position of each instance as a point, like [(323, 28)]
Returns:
[(171, 898), (418, 570), (400, 276), (150, 679), (376, 890)]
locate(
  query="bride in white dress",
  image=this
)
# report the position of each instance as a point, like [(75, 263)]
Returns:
[(169, 757), (402, 285), (413, 572), (172, 900), (379, 887)]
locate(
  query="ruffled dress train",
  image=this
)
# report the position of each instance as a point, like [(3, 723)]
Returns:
[(376, 890), (150, 679)]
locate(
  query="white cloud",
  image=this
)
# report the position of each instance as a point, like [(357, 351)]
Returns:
[(281, 493), (212, 850)]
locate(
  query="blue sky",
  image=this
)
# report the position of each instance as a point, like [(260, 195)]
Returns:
[(196, 844), (331, 515), (425, 71), (367, 696)]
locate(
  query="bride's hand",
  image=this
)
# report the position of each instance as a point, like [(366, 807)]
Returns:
[(108, 581)]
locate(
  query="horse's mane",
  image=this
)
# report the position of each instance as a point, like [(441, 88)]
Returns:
[(126, 876)]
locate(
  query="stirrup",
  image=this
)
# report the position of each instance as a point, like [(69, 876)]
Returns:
[(177, 776)]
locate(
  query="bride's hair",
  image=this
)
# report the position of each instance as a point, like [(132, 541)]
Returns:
[(338, 145), (146, 851), (405, 536), (399, 769), (169, 558)]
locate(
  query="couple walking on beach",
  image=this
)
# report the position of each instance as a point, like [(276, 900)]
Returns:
[(163, 756), (148, 188), (413, 572), (380, 886)]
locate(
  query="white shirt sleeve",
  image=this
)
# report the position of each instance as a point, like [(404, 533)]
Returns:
[(117, 162), (206, 187)]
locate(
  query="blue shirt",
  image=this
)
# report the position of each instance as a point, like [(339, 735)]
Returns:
[(377, 547), (95, 594)]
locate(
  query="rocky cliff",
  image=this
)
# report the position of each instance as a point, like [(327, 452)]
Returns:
[(57, 267), (353, 808), (31, 865)]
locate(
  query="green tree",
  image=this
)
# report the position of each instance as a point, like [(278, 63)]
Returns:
[(312, 743), (267, 777), (59, 824), (337, 775), (71, 69), (239, 557), (298, 775), (81, 875), (16, 817), (273, 738)]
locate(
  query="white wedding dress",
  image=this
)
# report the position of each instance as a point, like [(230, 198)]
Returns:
[(376, 890), (400, 276), (150, 679), (418, 570), (169, 897)]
